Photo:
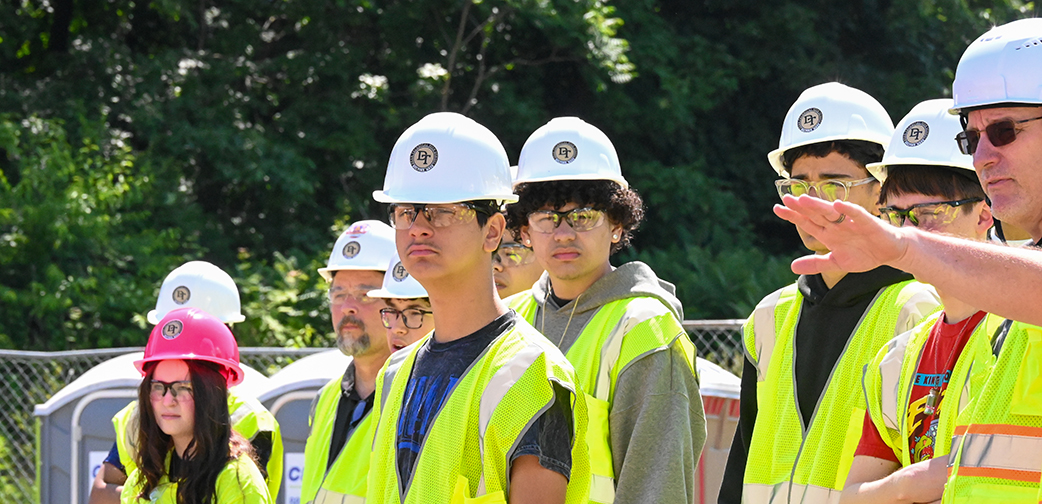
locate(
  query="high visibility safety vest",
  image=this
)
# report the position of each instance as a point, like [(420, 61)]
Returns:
[(466, 455), (345, 481), (999, 441), (889, 378), (239, 483), (618, 334), (248, 417), (789, 462)]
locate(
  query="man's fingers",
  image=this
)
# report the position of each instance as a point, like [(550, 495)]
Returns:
[(814, 264)]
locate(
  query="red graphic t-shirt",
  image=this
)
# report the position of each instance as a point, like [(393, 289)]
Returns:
[(943, 347)]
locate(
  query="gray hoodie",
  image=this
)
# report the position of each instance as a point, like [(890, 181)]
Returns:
[(656, 418)]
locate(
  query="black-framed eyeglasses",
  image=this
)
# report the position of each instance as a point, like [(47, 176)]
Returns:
[(439, 215), (513, 254), (178, 389), (411, 317), (579, 219), (1000, 133), (828, 189), (936, 213)]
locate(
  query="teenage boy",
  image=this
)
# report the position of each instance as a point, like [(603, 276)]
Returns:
[(407, 314), (484, 407), (336, 454), (999, 451), (194, 284), (919, 382), (620, 327), (802, 405), (514, 267)]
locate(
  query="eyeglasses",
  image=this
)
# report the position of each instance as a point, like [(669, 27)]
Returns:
[(403, 216), (412, 317), (926, 214), (178, 389), (579, 219), (828, 190), (999, 133), (513, 254), (360, 295)]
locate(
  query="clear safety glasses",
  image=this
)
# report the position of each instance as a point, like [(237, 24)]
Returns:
[(180, 390), (926, 215), (441, 215), (579, 219), (513, 254), (828, 190)]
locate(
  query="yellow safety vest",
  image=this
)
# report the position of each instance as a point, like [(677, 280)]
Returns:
[(998, 458), (248, 417), (466, 455), (888, 381), (790, 462), (239, 483), (618, 334), (344, 481)]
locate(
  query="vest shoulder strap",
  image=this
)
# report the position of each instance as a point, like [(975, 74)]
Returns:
[(761, 330)]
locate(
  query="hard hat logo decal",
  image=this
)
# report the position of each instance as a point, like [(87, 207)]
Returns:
[(357, 229), (351, 249), (565, 152), (181, 295), (809, 120), (423, 157), (172, 329), (916, 133), (398, 273)]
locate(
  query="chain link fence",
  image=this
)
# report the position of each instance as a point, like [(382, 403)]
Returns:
[(31, 378)]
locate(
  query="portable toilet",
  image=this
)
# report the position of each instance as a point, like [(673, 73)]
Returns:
[(75, 426), (288, 397), (720, 392)]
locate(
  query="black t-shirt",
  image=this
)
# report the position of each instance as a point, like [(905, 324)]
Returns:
[(437, 369), (351, 409)]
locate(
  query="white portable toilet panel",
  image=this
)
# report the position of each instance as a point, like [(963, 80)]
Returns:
[(76, 430), (288, 397)]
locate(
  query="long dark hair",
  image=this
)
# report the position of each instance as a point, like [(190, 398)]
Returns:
[(213, 445)]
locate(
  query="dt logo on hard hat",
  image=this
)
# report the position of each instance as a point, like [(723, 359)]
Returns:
[(172, 329), (565, 152), (351, 249), (398, 273), (809, 120), (423, 157), (357, 229), (916, 133), (181, 295)]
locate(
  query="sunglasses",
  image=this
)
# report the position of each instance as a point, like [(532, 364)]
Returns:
[(999, 133), (928, 215), (828, 190)]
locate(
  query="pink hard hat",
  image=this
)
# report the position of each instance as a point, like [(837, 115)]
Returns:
[(191, 333)]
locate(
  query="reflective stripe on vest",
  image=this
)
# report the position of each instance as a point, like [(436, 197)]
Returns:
[(1000, 449), (611, 341), (889, 378), (465, 454), (345, 479), (793, 462)]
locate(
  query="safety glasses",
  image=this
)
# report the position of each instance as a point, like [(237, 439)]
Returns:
[(179, 390), (828, 190), (412, 317), (513, 254), (926, 215), (580, 219), (442, 215), (999, 133)]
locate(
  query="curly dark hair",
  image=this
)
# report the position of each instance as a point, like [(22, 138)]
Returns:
[(623, 206), (214, 443)]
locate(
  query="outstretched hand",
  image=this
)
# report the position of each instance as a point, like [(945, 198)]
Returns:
[(857, 240)]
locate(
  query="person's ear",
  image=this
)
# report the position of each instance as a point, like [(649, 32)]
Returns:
[(494, 230), (985, 220)]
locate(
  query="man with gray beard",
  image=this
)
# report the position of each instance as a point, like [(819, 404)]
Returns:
[(336, 455)]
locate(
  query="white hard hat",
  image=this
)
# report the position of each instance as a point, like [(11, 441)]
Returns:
[(926, 136), (446, 158), (398, 283), (1002, 66), (568, 148), (364, 245), (829, 112), (198, 284)]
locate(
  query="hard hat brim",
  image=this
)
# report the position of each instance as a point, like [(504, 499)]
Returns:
[(775, 156), (235, 377), (386, 294), (153, 318), (880, 170), (428, 198), (328, 275), (590, 176)]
